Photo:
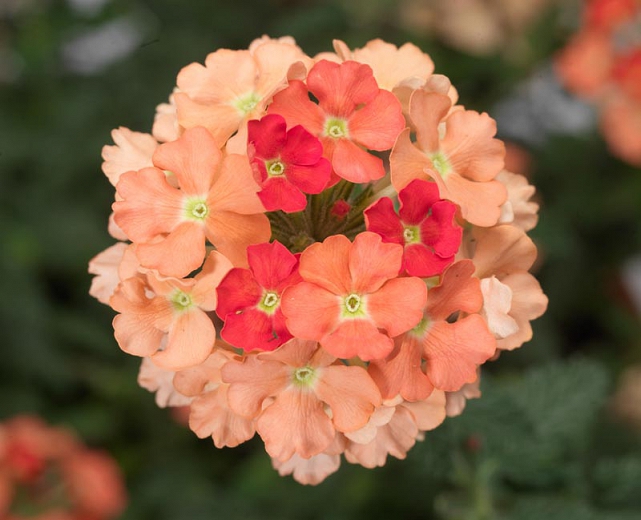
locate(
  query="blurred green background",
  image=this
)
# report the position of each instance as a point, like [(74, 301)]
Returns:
[(546, 440)]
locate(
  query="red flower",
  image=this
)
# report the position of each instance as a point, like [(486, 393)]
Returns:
[(424, 226), (249, 299), (286, 163)]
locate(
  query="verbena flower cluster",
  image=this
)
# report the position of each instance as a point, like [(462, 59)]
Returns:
[(602, 63), (48, 474), (320, 250)]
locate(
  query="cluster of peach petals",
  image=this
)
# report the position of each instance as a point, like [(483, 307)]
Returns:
[(47, 474), (320, 250), (602, 63)]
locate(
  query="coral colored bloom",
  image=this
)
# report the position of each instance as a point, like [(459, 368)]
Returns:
[(452, 351), (303, 381), (249, 299), (464, 161), (606, 15), (159, 309), (215, 199), (424, 226), (352, 113), (351, 299), (286, 163)]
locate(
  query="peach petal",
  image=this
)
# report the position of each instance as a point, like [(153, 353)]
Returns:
[(193, 159), (191, 339), (497, 300), (480, 202), (326, 264), (220, 120), (381, 416), (178, 254), (135, 336), (454, 350), (226, 75), (395, 438), (470, 146), (401, 373), (398, 305), (150, 206), (215, 268), (192, 381), (428, 413), (311, 312), (528, 303), (356, 337), (373, 262), (350, 393), (407, 162), (427, 110), (235, 188), (299, 353), (132, 151), (232, 233), (392, 65), (519, 191), (456, 401), (211, 416), (166, 127), (160, 381), (310, 471), (274, 60), (252, 381), (295, 423), (105, 266), (502, 250)]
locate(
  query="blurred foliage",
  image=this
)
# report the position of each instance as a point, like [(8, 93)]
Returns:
[(539, 444)]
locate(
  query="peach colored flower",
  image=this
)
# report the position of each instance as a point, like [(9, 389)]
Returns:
[(392, 66), (351, 299), (303, 381), (464, 162), (456, 401), (507, 253), (399, 432), (518, 209), (112, 266), (314, 470), (155, 310), (131, 151), (166, 127), (233, 87), (452, 350), (160, 381), (210, 414), (215, 199)]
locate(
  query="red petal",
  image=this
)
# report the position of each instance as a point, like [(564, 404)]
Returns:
[(416, 200), (271, 263), (301, 148), (267, 135), (237, 291), (280, 194), (381, 218), (310, 179), (419, 260), (251, 330)]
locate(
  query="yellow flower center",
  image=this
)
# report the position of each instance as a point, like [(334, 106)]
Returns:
[(335, 128)]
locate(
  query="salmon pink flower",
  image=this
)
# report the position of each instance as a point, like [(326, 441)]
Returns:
[(424, 226), (352, 113), (452, 351), (249, 299), (286, 163), (463, 162), (351, 299), (303, 380), (215, 199), (156, 310)]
